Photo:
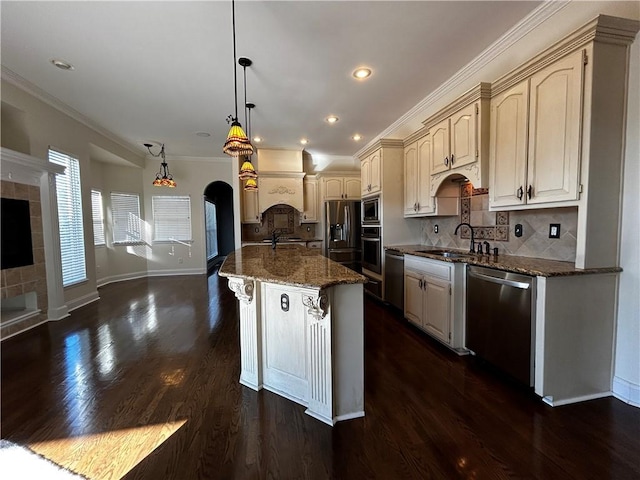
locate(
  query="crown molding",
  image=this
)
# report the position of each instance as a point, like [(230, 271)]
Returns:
[(25, 85), (538, 16)]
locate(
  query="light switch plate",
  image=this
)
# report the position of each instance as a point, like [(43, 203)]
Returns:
[(518, 230), (554, 230)]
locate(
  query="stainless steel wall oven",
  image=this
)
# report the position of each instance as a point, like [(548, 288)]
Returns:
[(371, 249)]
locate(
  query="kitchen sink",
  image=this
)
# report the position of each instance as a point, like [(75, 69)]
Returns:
[(446, 253)]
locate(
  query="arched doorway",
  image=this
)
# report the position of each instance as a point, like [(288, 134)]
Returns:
[(218, 218)]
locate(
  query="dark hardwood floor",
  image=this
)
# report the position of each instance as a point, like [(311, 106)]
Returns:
[(144, 384)]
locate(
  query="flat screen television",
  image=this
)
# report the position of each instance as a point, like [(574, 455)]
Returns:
[(15, 235)]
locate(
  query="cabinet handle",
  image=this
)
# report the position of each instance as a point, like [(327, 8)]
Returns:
[(452, 159), (446, 161), (520, 193), (530, 192), (420, 284)]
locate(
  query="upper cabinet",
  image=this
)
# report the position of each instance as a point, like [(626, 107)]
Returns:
[(535, 136), (459, 139), (417, 169), (250, 211), (341, 188), (280, 188), (310, 214), (370, 173)]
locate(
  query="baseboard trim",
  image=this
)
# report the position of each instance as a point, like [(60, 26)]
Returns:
[(556, 403), (170, 273), (120, 278), (626, 391), (84, 300), (151, 273), (348, 416), (58, 313)]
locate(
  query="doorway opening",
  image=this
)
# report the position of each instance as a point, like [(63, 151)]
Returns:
[(218, 217)]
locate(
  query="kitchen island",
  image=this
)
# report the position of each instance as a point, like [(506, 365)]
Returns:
[(301, 328)]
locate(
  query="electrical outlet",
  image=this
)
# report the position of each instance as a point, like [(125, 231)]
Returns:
[(554, 230), (518, 230), (308, 229), (435, 228)]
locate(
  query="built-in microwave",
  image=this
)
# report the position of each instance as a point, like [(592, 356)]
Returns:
[(371, 211)]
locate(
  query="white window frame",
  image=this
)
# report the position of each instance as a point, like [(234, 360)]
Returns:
[(127, 224), (171, 218), (70, 218), (97, 213)]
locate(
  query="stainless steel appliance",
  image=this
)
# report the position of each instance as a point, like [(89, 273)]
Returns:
[(342, 234), (371, 249), (394, 278), (500, 329), (371, 211)]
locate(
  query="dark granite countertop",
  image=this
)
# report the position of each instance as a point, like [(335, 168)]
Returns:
[(510, 263), (287, 265)]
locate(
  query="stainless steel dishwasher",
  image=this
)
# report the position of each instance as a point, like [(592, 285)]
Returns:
[(394, 278), (500, 327)]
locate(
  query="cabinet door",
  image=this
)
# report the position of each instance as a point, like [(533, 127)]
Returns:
[(410, 180), (365, 175), (284, 340), (437, 302), (463, 137), (332, 188), (413, 297), (310, 213), (554, 131), (508, 146), (352, 188), (375, 166), (250, 210), (440, 148), (423, 178)]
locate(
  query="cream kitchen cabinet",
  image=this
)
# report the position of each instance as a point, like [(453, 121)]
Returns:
[(310, 214), (454, 140), (371, 173), (417, 198), (434, 298), (341, 188), (250, 207), (535, 137)]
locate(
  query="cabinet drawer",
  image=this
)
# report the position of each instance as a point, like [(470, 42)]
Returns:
[(315, 244), (429, 267)]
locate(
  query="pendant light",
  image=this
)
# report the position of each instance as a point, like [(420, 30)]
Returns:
[(237, 143), (163, 177), (247, 171)]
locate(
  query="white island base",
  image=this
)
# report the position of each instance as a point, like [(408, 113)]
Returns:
[(305, 344)]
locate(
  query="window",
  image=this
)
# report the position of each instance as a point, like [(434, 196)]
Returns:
[(70, 219), (171, 218), (98, 219), (127, 226), (211, 224)]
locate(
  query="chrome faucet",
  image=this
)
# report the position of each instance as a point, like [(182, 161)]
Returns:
[(473, 242)]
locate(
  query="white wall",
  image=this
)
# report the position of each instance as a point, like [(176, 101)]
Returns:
[(627, 364), (192, 175)]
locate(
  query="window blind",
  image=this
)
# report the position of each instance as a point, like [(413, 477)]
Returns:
[(98, 218), (70, 219), (125, 209), (171, 218)]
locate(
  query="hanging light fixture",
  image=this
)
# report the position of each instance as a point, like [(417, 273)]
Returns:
[(247, 171), (237, 143), (251, 185), (163, 177)]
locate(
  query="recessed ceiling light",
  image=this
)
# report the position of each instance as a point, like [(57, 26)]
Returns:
[(257, 139), (304, 141), (61, 64), (331, 119), (203, 134), (357, 137), (362, 73)]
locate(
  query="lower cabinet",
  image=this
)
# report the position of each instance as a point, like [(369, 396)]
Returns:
[(434, 298)]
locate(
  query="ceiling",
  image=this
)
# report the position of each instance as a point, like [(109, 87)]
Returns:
[(162, 71)]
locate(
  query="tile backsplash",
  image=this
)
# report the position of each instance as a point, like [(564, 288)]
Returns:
[(534, 242), (283, 217)]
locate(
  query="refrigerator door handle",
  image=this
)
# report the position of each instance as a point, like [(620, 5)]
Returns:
[(347, 225)]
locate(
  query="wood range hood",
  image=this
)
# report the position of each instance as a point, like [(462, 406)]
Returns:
[(280, 177)]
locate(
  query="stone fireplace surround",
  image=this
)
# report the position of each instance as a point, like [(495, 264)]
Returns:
[(33, 294)]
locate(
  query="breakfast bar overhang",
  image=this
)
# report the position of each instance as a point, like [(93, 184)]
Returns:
[(301, 328)]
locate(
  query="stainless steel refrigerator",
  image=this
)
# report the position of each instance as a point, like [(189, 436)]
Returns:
[(342, 232)]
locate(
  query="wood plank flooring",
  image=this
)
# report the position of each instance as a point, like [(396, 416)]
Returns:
[(144, 385)]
